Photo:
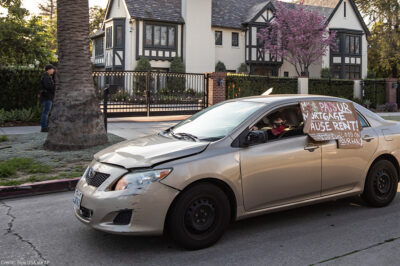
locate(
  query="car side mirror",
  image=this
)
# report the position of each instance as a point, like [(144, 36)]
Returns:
[(248, 138)]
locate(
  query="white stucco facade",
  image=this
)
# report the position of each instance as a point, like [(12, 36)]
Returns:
[(348, 22), (199, 43), (230, 55), (195, 40)]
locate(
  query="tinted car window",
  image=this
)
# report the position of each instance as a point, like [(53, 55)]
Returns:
[(362, 120)]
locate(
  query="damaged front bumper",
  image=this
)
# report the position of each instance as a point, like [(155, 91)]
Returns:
[(131, 211)]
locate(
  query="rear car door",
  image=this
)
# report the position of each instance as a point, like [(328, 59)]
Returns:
[(343, 169)]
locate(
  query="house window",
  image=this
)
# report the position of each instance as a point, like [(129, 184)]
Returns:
[(352, 71), (157, 35), (109, 37), (352, 45), (218, 37), (119, 42), (344, 9), (346, 58), (162, 36), (171, 37), (286, 74), (99, 47), (235, 39), (149, 35)]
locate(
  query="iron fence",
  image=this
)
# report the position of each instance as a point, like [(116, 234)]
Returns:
[(150, 93)]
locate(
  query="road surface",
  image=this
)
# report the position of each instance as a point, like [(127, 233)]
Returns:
[(42, 229)]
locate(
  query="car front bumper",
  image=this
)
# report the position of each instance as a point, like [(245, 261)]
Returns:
[(144, 210)]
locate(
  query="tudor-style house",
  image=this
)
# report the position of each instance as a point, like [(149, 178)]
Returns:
[(207, 31)]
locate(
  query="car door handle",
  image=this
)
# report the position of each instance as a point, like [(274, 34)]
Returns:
[(311, 148), (367, 138)]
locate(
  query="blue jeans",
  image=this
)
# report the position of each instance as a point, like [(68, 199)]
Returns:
[(45, 114)]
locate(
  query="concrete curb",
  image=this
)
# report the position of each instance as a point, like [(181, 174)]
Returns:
[(30, 189)]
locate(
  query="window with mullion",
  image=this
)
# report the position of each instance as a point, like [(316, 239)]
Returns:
[(109, 37), (159, 36), (99, 47), (218, 37), (235, 39), (352, 44)]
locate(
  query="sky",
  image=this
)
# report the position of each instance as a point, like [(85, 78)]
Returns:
[(32, 5)]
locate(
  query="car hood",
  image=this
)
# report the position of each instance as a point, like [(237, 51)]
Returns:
[(148, 151)]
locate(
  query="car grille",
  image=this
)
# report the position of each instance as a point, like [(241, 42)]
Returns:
[(96, 179)]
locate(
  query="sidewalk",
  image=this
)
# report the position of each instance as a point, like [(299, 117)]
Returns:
[(133, 127), (389, 114), (125, 128)]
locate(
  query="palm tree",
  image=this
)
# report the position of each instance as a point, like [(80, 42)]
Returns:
[(75, 121)]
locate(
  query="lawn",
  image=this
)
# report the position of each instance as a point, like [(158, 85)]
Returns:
[(23, 159)]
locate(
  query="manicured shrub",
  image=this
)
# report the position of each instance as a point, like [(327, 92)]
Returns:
[(243, 68), (176, 83), (240, 85), (19, 88), (332, 87), (375, 91), (326, 73), (220, 67)]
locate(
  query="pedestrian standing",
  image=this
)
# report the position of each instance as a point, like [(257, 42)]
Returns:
[(47, 92)]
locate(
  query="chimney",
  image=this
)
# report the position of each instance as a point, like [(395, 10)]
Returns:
[(198, 37)]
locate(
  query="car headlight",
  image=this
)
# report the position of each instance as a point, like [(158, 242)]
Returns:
[(141, 179)]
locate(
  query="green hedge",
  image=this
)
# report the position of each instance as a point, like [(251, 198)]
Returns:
[(241, 85), (19, 88), (332, 87), (375, 91)]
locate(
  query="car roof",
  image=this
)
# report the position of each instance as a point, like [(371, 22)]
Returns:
[(278, 98)]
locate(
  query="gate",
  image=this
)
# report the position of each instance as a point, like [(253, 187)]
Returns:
[(150, 93)]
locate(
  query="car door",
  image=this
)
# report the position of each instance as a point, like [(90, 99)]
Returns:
[(343, 169), (280, 172)]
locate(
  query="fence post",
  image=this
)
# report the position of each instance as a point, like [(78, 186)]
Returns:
[(105, 102), (217, 88), (302, 85), (391, 90), (148, 92), (357, 94)]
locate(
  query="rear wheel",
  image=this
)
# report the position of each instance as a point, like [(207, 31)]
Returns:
[(381, 184), (199, 217)]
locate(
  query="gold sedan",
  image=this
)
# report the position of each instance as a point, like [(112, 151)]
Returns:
[(236, 159)]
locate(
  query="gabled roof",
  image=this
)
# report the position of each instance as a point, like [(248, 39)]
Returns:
[(325, 11), (96, 34), (325, 3), (161, 10), (225, 13)]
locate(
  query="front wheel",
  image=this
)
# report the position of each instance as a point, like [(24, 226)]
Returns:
[(381, 184), (199, 217)]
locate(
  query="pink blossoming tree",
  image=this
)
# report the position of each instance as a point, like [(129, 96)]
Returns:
[(298, 35)]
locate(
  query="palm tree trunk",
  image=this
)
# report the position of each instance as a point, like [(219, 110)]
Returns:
[(75, 121)]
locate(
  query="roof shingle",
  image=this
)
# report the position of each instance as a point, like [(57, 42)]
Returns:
[(225, 13)]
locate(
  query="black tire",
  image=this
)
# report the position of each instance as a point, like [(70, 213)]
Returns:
[(199, 217), (381, 184)]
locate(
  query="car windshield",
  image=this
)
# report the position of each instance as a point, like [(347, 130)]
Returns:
[(215, 122)]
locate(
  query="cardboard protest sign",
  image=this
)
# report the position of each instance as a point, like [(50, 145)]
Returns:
[(332, 120)]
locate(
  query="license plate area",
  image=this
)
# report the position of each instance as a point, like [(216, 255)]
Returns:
[(77, 199)]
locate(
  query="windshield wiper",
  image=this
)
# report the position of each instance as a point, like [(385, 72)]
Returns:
[(190, 136), (212, 139)]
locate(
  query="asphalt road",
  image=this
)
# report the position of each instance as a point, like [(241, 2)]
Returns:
[(42, 229)]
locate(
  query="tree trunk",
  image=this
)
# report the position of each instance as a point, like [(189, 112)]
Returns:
[(75, 121)]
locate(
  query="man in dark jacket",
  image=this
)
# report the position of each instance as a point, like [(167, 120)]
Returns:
[(47, 91)]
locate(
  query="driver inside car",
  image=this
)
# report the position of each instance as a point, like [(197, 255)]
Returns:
[(278, 126)]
